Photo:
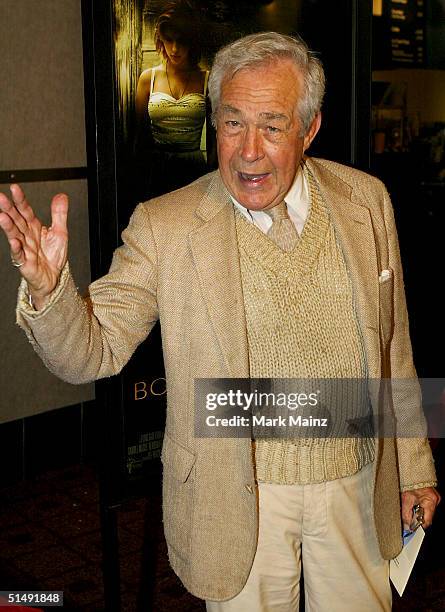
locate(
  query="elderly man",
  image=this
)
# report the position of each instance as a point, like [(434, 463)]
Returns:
[(277, 265)]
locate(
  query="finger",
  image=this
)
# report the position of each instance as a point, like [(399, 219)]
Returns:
[(10, 209), (409, 500), (427, 521), (31, 225), (21, 203), (10, 228), (428, 513), (59, 212), (407, 515), (17, 252), (4, 202)]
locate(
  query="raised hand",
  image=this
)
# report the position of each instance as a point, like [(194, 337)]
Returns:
[(37, 251)]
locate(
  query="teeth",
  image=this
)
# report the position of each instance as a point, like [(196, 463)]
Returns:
[(251, 177)]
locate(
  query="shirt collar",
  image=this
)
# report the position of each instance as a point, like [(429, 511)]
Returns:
[(297, 201)]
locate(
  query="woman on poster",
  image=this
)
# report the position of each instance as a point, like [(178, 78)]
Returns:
[(172, 143)]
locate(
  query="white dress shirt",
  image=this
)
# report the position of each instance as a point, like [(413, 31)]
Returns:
[(297, 200)]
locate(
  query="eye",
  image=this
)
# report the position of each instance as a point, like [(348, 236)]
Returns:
[(274, 133), (232, 126)]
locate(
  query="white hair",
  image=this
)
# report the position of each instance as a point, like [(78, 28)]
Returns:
[(263, 48)]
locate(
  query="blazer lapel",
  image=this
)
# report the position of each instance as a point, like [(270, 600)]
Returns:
[(353, 225), (215, 253)]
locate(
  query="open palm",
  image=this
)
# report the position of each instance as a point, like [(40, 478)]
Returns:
[(38, 252)]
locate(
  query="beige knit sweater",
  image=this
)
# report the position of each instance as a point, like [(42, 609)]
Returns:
[(302, 323)]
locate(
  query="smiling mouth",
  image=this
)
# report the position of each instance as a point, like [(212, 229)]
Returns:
[(252, 179)]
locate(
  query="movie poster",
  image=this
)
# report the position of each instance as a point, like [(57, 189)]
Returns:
[(163, 53)]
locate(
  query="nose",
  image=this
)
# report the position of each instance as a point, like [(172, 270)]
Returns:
[(174, 46), (251, 146)]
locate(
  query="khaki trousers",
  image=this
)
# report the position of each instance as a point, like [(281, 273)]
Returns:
[(328, 526)]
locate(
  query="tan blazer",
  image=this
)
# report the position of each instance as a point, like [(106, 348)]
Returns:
[(180, 263)]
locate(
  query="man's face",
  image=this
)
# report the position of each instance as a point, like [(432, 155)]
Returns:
[(259, 133)]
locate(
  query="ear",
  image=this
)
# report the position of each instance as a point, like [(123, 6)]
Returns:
[(312, 131)]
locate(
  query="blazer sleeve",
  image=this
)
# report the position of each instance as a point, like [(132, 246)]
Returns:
[(81, 339), (416, 465)]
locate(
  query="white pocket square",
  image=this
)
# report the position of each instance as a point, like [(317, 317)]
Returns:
[(385, 275)]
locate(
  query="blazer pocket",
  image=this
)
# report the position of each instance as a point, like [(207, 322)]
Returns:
[(177, 460), (386, 304), (177, 497)]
